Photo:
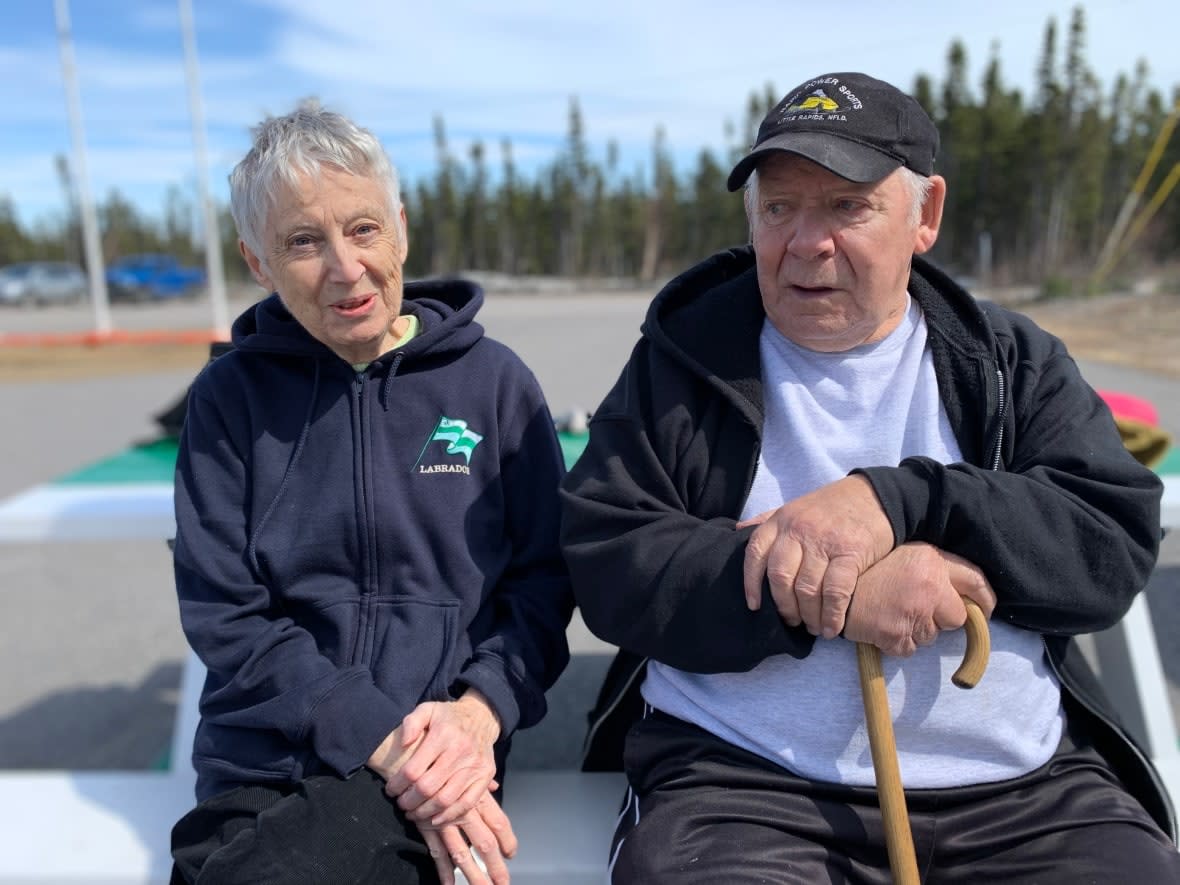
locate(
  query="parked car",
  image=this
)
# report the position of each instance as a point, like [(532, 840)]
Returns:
[(151, 277), (42, 282)]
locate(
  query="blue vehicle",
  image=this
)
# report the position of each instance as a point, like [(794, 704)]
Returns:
[(152, 277)]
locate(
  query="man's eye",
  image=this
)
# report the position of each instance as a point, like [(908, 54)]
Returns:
[(300, 241), (365, 229), (775, 213)]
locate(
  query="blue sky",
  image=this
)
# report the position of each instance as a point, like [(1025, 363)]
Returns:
[(492, 70)]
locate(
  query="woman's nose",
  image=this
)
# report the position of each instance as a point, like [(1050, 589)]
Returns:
[(344, 263)]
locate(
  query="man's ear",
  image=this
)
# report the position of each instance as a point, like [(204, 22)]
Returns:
[(256, 269), (931, 219), (748, 202)]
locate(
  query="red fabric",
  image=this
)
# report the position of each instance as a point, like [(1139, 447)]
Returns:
[(1124, 405)]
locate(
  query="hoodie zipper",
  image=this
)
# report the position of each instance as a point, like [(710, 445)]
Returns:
[(592, 733), (609, 711), (366, 619), (1144, 762), (1002, 405)]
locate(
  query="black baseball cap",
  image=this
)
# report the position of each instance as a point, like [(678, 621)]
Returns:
[(854, 125)]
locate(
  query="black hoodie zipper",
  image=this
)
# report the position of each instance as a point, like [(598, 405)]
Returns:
[(1118, 730), (1002, 408), (366, 621)]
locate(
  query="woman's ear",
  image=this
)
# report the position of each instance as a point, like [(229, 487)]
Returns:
[(256, 268)]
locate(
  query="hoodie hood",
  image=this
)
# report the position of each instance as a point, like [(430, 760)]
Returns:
[(710, 317), (728, 282), (445, 310)]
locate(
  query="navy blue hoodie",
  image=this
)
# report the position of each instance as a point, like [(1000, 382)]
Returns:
[(352, 544)]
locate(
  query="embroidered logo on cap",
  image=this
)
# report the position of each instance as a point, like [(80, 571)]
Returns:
[(817, 101), (823, 99)]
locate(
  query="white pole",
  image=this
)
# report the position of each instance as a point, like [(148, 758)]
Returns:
[(214, 267), (95, 268)]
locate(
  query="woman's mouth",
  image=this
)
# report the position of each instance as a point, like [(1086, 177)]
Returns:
[(351, 307)]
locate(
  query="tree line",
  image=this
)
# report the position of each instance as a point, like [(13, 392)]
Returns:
[(1036, 183)]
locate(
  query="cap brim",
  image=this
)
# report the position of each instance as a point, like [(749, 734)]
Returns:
[(848, 159)]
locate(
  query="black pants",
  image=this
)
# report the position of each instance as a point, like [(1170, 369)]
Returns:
[(700, 811), (324, 831)]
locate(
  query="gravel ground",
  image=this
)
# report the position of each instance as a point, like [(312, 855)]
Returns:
[(1137, 331)]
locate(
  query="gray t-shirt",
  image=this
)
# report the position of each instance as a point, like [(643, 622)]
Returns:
[(827, 413)]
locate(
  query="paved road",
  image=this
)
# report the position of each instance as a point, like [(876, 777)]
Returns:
[(89, 641)]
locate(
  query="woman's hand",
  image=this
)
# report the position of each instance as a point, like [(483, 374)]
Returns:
[(447, 765), (478, 844)]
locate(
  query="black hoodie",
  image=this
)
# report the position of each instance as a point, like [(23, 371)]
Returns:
[(350, 544), (1047, 500)]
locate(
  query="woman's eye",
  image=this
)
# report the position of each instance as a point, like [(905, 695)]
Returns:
[(300, 241)]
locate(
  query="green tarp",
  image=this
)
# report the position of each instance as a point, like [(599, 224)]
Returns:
[(155, 461)]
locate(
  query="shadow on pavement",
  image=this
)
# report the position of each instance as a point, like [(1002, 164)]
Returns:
[(113, 727)]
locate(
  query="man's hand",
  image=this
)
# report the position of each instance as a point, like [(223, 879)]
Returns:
[(450, 765), (486, 829), (913, 594), (813, 549)]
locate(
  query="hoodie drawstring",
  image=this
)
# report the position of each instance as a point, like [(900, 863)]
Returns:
[(397, 361)]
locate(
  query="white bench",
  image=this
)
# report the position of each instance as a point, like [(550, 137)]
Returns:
[(112, 828)]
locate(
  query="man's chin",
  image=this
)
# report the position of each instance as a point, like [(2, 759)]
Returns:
[(816, 333)]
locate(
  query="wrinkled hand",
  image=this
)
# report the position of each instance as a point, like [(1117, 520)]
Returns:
[(909, 597), (450, 765), (487, 830), (813, 549), (393, 752)]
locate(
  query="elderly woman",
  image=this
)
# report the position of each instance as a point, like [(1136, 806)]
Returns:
[(366, 555)]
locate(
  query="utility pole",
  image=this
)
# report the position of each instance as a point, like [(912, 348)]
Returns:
[(1111, 251), (214, 267), (95, 267)]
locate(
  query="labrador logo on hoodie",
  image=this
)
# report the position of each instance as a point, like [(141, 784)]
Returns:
[(460, 441)]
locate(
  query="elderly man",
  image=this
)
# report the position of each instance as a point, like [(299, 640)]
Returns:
[(822, 440), (367, 556)]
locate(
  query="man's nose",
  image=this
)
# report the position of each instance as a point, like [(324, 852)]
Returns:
[(810, 236)]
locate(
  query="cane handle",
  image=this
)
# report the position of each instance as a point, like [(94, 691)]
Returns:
[(979, 647)]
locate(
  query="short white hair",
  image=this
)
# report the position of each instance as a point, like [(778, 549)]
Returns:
[(917, 185), (303, 142)]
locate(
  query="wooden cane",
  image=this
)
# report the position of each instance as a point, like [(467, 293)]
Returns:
[(898, 839)]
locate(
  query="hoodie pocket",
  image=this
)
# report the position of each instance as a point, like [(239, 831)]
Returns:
[(411, 647), (246, 755)]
